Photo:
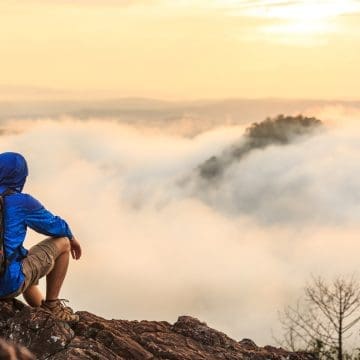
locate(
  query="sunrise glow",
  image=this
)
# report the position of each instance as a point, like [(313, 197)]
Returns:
[(181, 49)]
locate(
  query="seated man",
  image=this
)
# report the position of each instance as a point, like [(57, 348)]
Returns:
[(49, 258)]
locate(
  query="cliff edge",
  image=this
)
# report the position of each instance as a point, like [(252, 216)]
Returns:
[(96, 338)]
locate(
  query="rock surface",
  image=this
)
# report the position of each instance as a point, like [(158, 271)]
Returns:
[(96, 338), (10, 351)]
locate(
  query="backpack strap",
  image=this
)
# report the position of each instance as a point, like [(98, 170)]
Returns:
[(3, 260)]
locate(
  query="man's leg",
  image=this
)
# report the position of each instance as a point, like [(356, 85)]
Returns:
[(56, 276), (33, 296), (38, 264), (49, 258), (54, 281)]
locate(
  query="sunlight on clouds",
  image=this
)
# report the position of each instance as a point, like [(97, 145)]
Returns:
[(297, 22), (301, 27), (303, 32), (295, 10)]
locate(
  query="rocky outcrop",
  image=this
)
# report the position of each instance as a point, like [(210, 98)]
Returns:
[(96, 338), (11, 351)]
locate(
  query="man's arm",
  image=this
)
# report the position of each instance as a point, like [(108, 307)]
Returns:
[(44, 222)]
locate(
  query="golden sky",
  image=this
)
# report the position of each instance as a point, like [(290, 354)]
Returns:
[(182, 49)]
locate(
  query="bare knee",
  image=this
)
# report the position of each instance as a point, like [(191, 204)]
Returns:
[(63, 244)]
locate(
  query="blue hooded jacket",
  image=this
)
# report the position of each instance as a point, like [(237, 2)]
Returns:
[(21, 211)]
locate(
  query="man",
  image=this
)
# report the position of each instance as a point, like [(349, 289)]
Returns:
[(49, 258)]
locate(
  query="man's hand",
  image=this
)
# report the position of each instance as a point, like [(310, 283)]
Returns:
[(75, 249)]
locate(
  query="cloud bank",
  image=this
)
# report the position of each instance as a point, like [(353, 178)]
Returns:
[(156, 247)]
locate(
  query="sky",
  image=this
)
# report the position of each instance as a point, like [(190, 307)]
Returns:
[(180, 49)]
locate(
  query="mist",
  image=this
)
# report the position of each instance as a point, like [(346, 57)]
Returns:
[(156, 247)]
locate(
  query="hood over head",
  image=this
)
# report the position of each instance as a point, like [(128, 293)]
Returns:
[(13, 171)]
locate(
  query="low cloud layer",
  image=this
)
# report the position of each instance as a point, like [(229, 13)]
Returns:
[(156, 247)]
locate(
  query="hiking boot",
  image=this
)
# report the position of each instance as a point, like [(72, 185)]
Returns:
[(59, 310)]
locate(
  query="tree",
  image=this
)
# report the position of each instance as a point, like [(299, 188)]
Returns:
[(323, 318)]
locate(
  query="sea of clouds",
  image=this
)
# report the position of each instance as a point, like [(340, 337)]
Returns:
[(157, 243)]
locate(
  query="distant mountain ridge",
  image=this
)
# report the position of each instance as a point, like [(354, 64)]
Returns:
[(241, 110)]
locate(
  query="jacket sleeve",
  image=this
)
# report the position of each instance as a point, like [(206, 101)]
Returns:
[(43, 221)]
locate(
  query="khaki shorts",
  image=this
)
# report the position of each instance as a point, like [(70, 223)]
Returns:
[(39, 261)]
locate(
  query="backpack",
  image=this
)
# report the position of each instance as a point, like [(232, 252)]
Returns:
[(3, 261)]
